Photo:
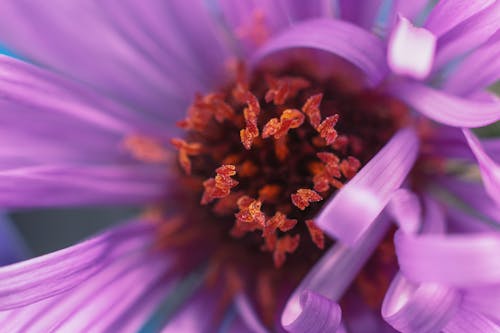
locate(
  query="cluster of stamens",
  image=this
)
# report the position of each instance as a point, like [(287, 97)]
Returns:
[(268, 127)]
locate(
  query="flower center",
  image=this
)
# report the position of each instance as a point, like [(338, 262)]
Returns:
[(258, 160)]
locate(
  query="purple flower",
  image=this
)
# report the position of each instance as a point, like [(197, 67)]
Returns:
[(304, 119)]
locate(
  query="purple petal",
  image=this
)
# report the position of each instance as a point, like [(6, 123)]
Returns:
[(472, 195), (252, 22), (411, 50), (441, 258), (360, 12), (468, 35), (485, 300), (490, 171), (467, 320), (318, 314), (448, 13), (55, 128), (405, 208), (351, 211), (106, 50), (342, 39), (409, 8), (52, 185), (40, 278), (330, 278), (444, 108), (479, 70), (116, 290), (425, 308), (248, 314)]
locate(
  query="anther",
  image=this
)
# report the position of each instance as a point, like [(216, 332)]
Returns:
[(284, 245), (311, 109), (278, 221), (327, 130), (303, 197), (185, 150), (316, 234), (290, 118), (284, 88), (221, 185)]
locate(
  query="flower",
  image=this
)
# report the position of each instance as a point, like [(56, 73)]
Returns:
[(92, 126)]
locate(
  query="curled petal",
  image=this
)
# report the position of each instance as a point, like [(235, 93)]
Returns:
[(444, 108), (40, 278), (490, 171), (467, 320), (441, 258), (342, 39), (327, 281), (349, 214), (411, 50), (405, 209), (317, 314), (425, 308)]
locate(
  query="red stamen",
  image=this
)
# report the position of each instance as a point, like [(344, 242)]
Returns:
[(311, 109), (278, 221), (327, 129), (221, 185), (290, 118), (185, 150), (284, 88), (316, 233), (284, 245), (305, 196), (350, 167)]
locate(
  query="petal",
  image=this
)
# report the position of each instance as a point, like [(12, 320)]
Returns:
[(478, 71), (484, 300), (473, 198), (448, 13), (405, 208), (425, 308), (351, 211), (342, 39), (318, 314), (328, 280), (441, 258), (411, 50), (117, 290), (53, 128), (63, 185), (360, 12), (253, 22), (410, 8), (468, 35), (40, 278), (248, 314), (99, 48), (444, 108), (490, 171), (466, 321)]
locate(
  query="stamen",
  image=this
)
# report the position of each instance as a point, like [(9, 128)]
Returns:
[(290, 118), (284, 88), (284, 245), (350, 167), (278, 221), (303, 197), (327, 129), (316, 233), (221, 185), (186, 150), (311, 109)]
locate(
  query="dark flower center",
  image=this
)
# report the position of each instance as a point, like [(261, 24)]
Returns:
[(258, 160)]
